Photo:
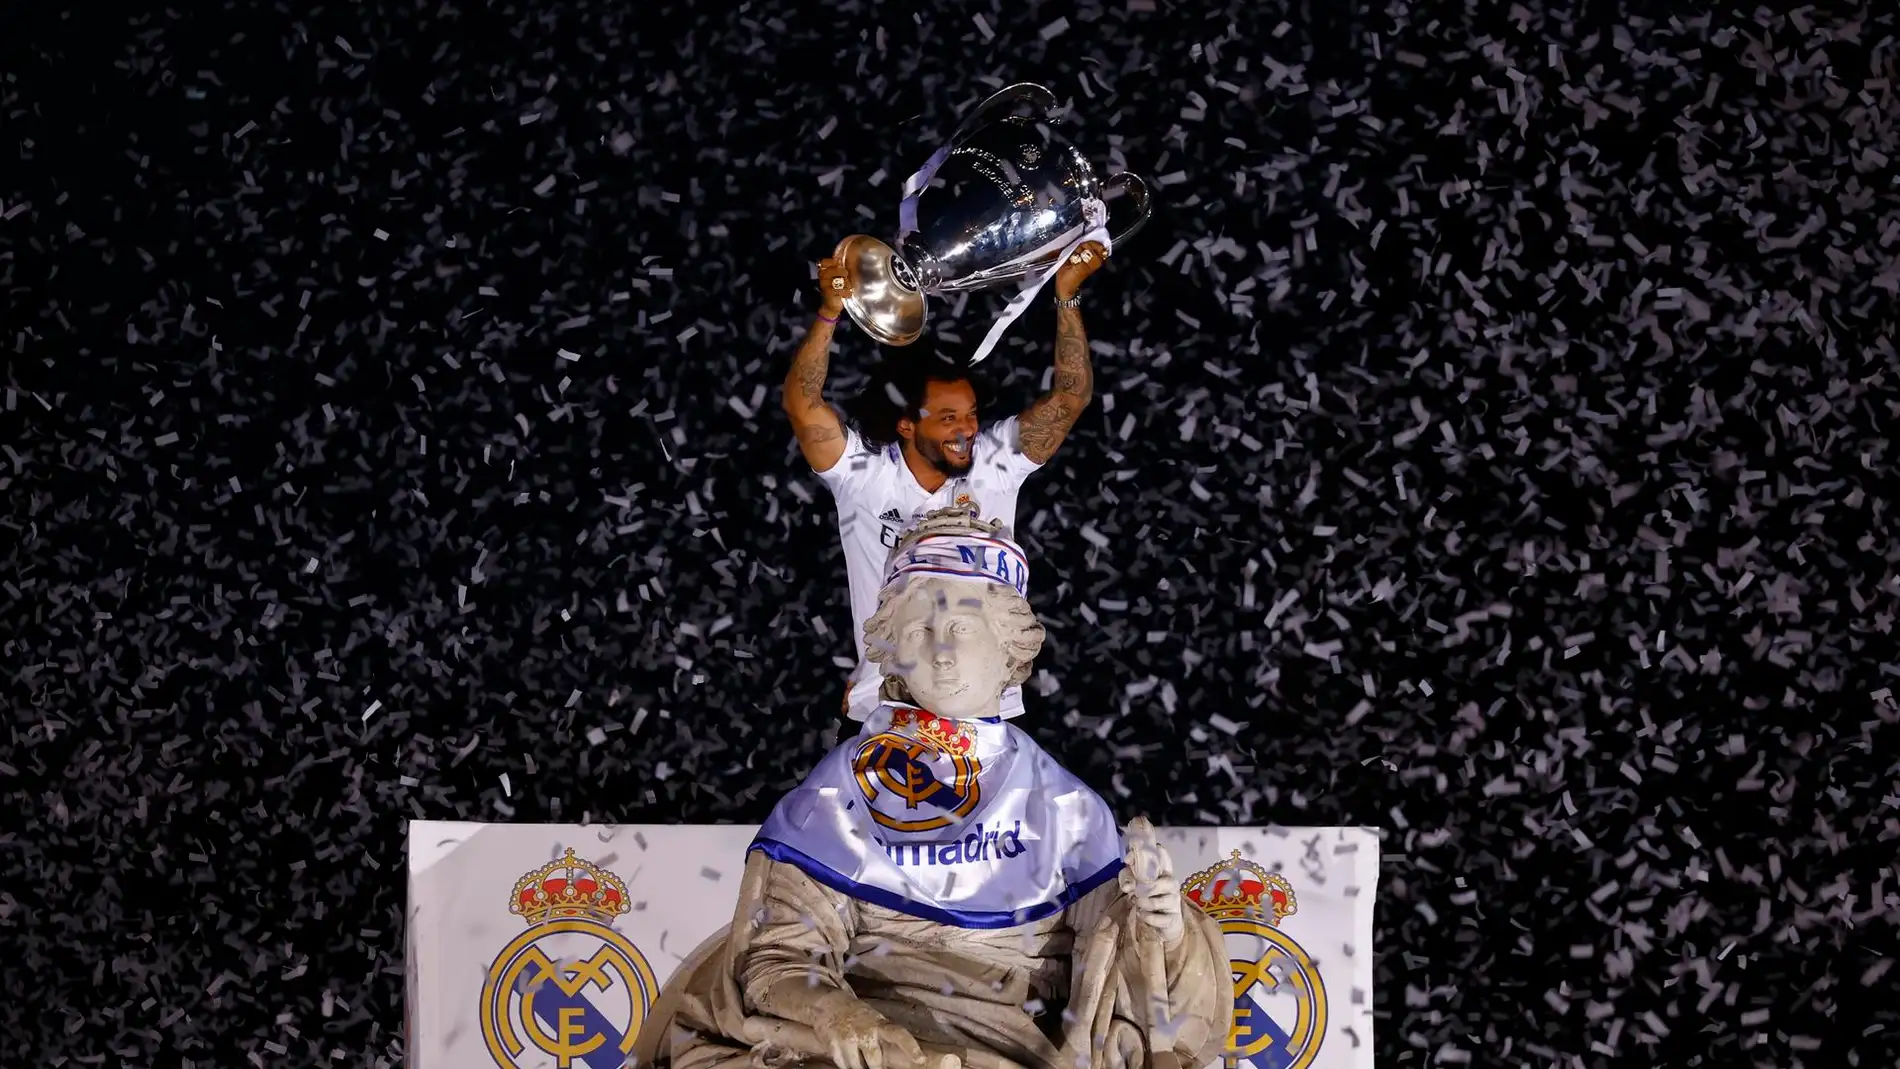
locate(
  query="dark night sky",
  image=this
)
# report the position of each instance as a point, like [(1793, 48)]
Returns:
[(1494, 422)]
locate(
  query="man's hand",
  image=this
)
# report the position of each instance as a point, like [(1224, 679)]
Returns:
[(1148, 878), (1082, 263), (859, 1037), (834, 285)]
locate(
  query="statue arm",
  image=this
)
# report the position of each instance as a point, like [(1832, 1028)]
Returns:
[(1194, 972), (799, 934), (1048, 420), (1200, 989)]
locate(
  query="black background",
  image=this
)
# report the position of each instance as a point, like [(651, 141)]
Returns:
[(1449, 317)]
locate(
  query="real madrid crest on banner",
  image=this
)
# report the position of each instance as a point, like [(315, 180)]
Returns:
[(921, 775), (570, 992), (1279, 999)]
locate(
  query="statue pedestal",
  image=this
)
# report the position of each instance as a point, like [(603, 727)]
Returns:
[(495, 979)]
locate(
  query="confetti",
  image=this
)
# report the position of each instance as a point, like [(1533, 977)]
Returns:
[(1501, 453)]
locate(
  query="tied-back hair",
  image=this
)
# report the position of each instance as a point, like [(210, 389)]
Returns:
[(1009, 613), (898, 384)]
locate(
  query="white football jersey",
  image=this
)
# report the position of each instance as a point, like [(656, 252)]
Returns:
[(878, 498)]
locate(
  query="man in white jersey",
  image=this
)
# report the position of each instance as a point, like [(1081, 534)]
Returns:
[(931, 454)]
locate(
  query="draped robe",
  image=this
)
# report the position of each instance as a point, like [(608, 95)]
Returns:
[(1039, 987)]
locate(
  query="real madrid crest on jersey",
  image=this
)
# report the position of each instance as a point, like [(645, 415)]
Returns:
[(570, 992), (1279, 1000)]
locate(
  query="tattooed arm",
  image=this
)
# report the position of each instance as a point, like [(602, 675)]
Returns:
[(820, 434), (1048, 421)]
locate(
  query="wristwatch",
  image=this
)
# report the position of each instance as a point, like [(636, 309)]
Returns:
[(1072, 302)]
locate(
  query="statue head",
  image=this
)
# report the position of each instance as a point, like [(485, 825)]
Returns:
[(953, 628)]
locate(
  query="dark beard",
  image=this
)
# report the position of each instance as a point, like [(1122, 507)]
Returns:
[(934, 455)]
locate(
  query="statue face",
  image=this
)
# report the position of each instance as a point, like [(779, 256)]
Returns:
[(948, 652)]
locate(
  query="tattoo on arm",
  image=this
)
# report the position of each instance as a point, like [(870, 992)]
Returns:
[(821, 436), (1049, 420), (1074, 375), (816, 432), (805, 382)]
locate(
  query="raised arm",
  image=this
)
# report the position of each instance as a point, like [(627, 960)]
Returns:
[(1048, 420), (814, 421)]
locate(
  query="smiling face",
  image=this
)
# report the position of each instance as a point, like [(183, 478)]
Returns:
[(947, 650), (944, 432)]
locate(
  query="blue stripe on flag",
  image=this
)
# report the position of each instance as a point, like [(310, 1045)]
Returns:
[(550, 1000), (1252, 1024)]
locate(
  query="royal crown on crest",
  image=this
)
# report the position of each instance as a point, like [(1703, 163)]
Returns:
[(1237, 888), (569, 888)]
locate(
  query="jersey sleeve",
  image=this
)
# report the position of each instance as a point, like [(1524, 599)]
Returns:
[(848, 474), (1005, 448)]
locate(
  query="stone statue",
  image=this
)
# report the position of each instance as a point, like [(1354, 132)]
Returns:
[(939, 893)]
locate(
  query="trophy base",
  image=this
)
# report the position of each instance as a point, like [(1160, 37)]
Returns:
[(880, 303)]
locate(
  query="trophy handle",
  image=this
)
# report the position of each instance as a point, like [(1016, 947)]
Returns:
[(1040, 96), (1136, 190)]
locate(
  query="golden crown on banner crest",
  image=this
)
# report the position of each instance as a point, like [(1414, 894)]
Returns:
[(947, 735), (569, 888), (1237, 887)]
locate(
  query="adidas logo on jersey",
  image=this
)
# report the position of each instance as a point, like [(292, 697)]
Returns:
[(892, 517)]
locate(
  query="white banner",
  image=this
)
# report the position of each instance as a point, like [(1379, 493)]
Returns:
[(488, 924)]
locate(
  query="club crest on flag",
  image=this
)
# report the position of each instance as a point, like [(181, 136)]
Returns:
[(570, 992), (920, 774), (1279, 999)]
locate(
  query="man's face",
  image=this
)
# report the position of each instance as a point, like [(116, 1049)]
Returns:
[(945, 432)]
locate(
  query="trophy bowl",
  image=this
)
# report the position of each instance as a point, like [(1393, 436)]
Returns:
[(999, 202), (890, 311)]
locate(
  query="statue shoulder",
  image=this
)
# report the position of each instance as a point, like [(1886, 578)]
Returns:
[(1083, 796), (811, 795)]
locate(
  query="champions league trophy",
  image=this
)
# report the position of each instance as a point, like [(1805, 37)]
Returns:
[(1004, 200)]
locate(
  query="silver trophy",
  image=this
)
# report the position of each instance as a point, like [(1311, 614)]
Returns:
[(1000, 201)]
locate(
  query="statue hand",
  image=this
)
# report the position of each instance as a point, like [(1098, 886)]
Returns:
[(1148, 878), (859, 1037), (1123, 1047)]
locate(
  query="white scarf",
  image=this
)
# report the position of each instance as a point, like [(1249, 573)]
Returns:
[(966, 823)]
